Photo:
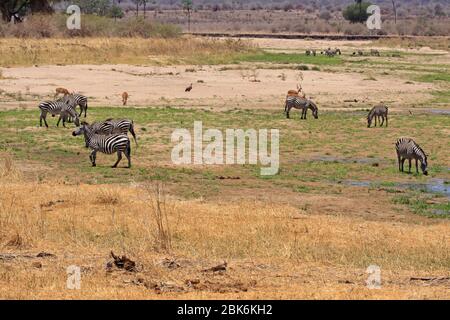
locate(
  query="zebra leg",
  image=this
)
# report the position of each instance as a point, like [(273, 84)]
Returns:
[(92, 157), (403, 164), (288, 109), (417, 166), (409, 161), (128, 154), (85, 110), (386, 121), (45, 120), (399, 158), (119, 157)]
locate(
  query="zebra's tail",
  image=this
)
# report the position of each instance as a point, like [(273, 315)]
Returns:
[(133, 133)]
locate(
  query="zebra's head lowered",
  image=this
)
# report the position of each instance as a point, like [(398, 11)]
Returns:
[(424, 162), (314, 109)]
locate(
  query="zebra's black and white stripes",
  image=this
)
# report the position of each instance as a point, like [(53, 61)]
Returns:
[(380, 113), (81, 101), (61, 107), (407, 148), (302, 104), (111, 126), (107, 144)]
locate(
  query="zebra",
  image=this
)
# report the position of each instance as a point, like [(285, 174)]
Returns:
[(110, 126), (331, 53), (379, 112), (300, 103), (407, 148), (61, 107), (79, 100), (374, 52), (107, 144)]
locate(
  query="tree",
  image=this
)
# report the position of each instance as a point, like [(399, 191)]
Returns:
[(116, 12), (187, 6), (137, 3), (16, 9), (357, 13)]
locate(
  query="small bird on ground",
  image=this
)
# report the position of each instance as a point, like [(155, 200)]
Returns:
[(188, 89)]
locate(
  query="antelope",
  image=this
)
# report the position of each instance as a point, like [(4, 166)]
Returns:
[(125, 96), (63, 91), (296, 93)]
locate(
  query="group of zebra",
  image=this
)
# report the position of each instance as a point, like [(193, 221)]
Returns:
[(406, 148), (65, 108), (328, 52), (333, 52), (108, 136)]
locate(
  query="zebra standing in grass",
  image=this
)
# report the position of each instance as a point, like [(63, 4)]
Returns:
[(111, 126), (81, 101), (78, 100), (379, 112), (300, 103), (61, 107), (407, 148), (107, 144)]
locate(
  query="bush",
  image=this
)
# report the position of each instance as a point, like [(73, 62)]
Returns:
[(356, 13)]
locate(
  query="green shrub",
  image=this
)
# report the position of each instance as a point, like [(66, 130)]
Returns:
[(357, 13)]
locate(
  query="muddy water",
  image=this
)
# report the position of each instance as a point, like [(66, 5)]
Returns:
[(439, 186)]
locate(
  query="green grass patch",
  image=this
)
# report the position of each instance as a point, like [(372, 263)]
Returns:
[(432, 77)]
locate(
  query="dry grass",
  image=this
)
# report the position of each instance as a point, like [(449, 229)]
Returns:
[(273, 251), (26, 52)]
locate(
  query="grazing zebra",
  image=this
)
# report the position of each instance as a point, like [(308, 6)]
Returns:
[(61, 107), (111, 126), (407, 148), (331, 53), (80, 100), (374, 52), (379, 112), (300, 103), (106, 144)]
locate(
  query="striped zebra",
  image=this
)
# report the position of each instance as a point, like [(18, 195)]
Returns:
[(78, 100), (61, 107), (300, 103), (407, 148), (379, 112), (107, 144), (111, 126)]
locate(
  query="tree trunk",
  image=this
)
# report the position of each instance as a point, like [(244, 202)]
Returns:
[(395, 10)]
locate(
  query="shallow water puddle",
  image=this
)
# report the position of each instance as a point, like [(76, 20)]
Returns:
[(439, 186)]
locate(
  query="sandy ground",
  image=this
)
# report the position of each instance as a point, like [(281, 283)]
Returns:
[(213, 87)]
